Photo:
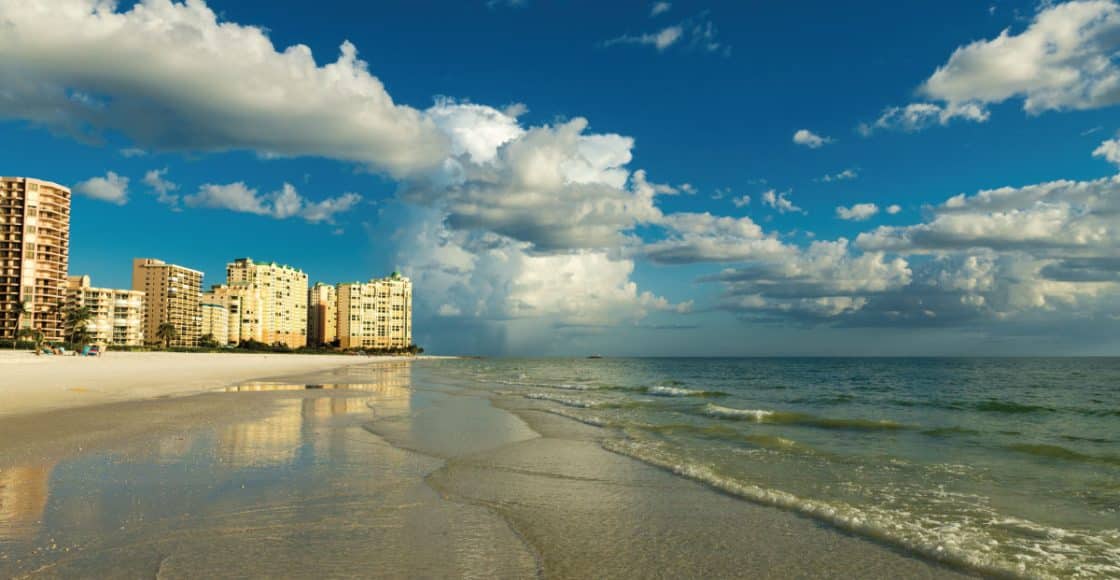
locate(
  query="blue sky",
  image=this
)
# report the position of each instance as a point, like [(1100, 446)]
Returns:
[(636, 178)]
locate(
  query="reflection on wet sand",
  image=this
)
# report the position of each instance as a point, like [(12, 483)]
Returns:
[(23, 497), (287, 483)]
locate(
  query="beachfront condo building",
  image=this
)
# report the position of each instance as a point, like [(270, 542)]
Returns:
[(215, 321), (375, 314), (242, 306), (274, 307), (117, 315), (34, 250), (172, 294), (322, 314)]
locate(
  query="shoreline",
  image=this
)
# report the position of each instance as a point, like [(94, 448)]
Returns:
[(450, 480), (32, 384)]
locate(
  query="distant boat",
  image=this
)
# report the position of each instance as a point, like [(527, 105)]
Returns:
[(596, 356)]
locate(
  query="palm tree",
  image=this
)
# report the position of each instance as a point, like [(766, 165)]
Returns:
[(208, 341), (167, 333), (22, 309), (36, 336), (77, 325)]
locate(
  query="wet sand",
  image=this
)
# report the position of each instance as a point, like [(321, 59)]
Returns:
[(30, 383), (380, 471)]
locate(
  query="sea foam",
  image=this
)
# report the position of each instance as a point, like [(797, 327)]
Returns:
[(971, 547)]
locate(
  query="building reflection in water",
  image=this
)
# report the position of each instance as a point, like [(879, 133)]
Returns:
[(293, 429), (24, 492), (277, 439)]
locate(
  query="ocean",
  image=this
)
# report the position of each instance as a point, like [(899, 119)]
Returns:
[(999, 466)]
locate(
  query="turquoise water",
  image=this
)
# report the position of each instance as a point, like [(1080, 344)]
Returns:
[(998, 465)]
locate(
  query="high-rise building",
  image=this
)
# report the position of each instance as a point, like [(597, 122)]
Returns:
[(322, 314), (375, 314), (118, 315), (34, 249), (215, 321), (172, 294), (242, 306), (279, 296)]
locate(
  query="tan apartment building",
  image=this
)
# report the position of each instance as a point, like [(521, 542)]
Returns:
[(274, 305), (118, 315), (242, 305), (375, 314), (34, 252), (171, 294), (322, 314), (215, 321)]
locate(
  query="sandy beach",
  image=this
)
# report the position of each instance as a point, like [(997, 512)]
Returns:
[(383, 469), (30, 383)]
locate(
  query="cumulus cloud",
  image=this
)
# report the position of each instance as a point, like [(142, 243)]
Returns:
[(659, 8), (810, 139), (1047, 219), (741, 201), (858, 212), (1066, 59), (281, 204), (1109, 151), (112, 188), (894, 208), (492, 279), (156, 180), (557, 188), (703, 237), (174, 76), (778, 201), (823, 281)]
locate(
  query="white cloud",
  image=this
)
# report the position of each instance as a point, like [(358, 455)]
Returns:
[(918, 116), (488, 277), (1065, 59), (810, 139), (858, 212), (1058, 218), (741, 201), (659, 8), (112, 188), (557, 188), (130, 152), (661, 40), (703, 237), (88, 65), (894, 208), (845, 175), (823, 281), (696, 33), (1109, 150), (163, 188), (779, 201), (281, 204)]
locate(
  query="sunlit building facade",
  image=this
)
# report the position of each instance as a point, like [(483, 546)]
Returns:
[(117, 314), (375, 314), (277, 295), (172, 294), (34, 254), (322, 314)]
